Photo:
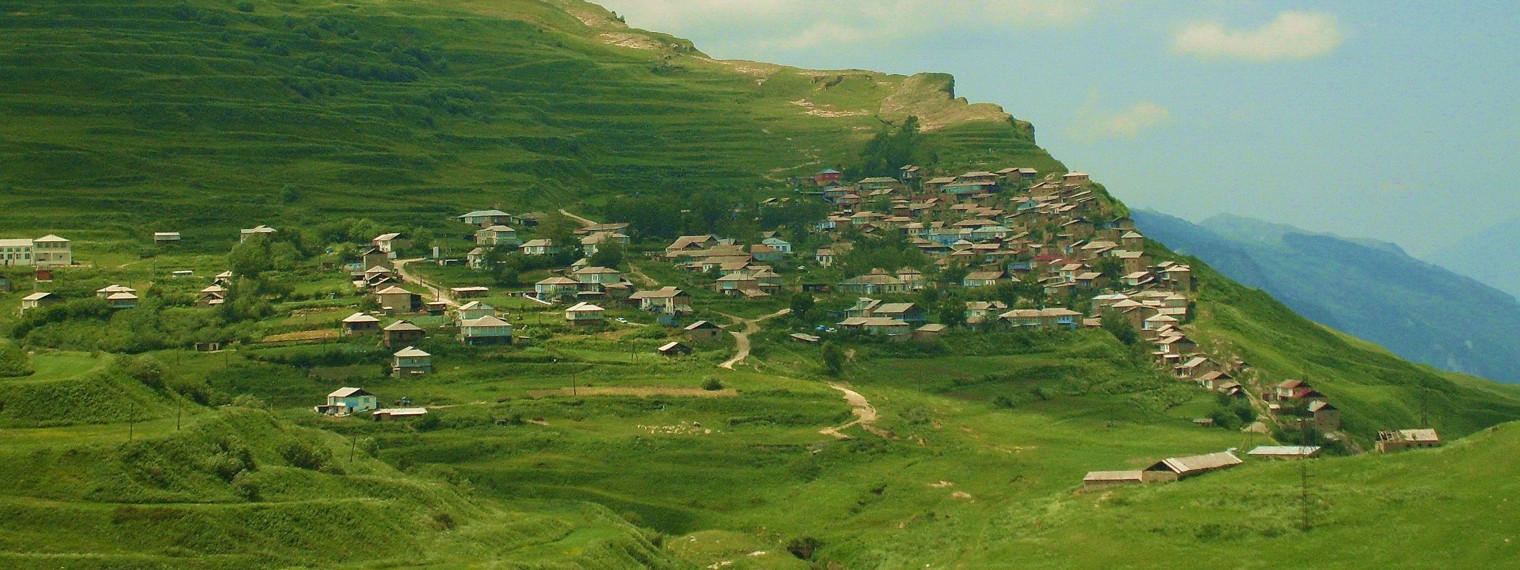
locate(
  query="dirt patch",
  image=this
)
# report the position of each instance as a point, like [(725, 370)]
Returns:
[(303, 336), (637, 391), (692, 428)]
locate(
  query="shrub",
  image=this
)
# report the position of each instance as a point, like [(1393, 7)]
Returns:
[(249, 401), (712, 384), (305, 455), (804, 547), (245, 487), (14, 361)]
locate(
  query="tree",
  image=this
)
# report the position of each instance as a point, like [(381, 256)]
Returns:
[(609, 253), (889, 150), (801, 304), (833, 359), (1117, 325)]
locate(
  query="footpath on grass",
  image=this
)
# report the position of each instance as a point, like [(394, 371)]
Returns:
[(741, 337), (865, 415)]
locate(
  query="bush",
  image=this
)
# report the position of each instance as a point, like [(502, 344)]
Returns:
[(249, 401), (14, 361), (804, 547), (305, 455), (712, 384), (245, 487)]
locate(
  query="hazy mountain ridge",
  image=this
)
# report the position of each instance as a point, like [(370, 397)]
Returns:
[(1363, 287), (1487, 255)]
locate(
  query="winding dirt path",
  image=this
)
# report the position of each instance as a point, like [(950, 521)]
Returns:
[(865, 415), (741, 338), (439, 293), (585, 223)]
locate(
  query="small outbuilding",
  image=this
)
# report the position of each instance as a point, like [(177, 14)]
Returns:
[(1284, 452), (1174, 468), (1102, 479), (674, 348), (1399, 440), (702, 331), (397, 414)]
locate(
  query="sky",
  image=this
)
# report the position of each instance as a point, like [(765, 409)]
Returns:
[(1393, 120)]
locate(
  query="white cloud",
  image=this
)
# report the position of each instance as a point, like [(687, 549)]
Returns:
[(806, 24), (1292, 35), (1093, 124)]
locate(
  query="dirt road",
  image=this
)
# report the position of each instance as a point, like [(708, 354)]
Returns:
[(439, 293), (741, 338), (582, 221), (865, 414)]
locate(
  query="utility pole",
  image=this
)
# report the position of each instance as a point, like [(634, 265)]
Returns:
[(353, 444), (1424, 403), (132, 422), (1303, 479), (179, 412)]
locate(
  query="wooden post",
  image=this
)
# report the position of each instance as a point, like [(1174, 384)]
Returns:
[(353, 445), (131, 422)]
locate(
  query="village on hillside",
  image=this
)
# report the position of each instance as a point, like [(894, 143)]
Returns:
[(909, 259)]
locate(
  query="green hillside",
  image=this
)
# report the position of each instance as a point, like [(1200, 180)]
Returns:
[(207, 116), (126, 441)]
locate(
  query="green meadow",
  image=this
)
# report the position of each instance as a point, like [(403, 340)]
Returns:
[(126, 442)]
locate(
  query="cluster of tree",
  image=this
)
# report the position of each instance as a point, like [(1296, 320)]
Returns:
[(890, 251), (506, 266), (888, 151)]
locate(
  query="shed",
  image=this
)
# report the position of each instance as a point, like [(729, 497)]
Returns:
[(702, 331), (1174, 468), (674, 348), (397, 414), (1101, 479), (1284, 451)]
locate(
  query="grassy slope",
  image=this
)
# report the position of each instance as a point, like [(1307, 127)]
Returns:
[(85, 497), (407, 113), (118, 105)]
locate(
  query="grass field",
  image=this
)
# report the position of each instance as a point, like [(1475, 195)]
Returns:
[(582, 448)]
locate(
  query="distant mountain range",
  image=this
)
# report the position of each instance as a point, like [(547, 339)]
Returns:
[(1487, 256), (1367, 288)]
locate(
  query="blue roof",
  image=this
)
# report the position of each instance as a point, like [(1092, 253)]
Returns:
[(829, 171)]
